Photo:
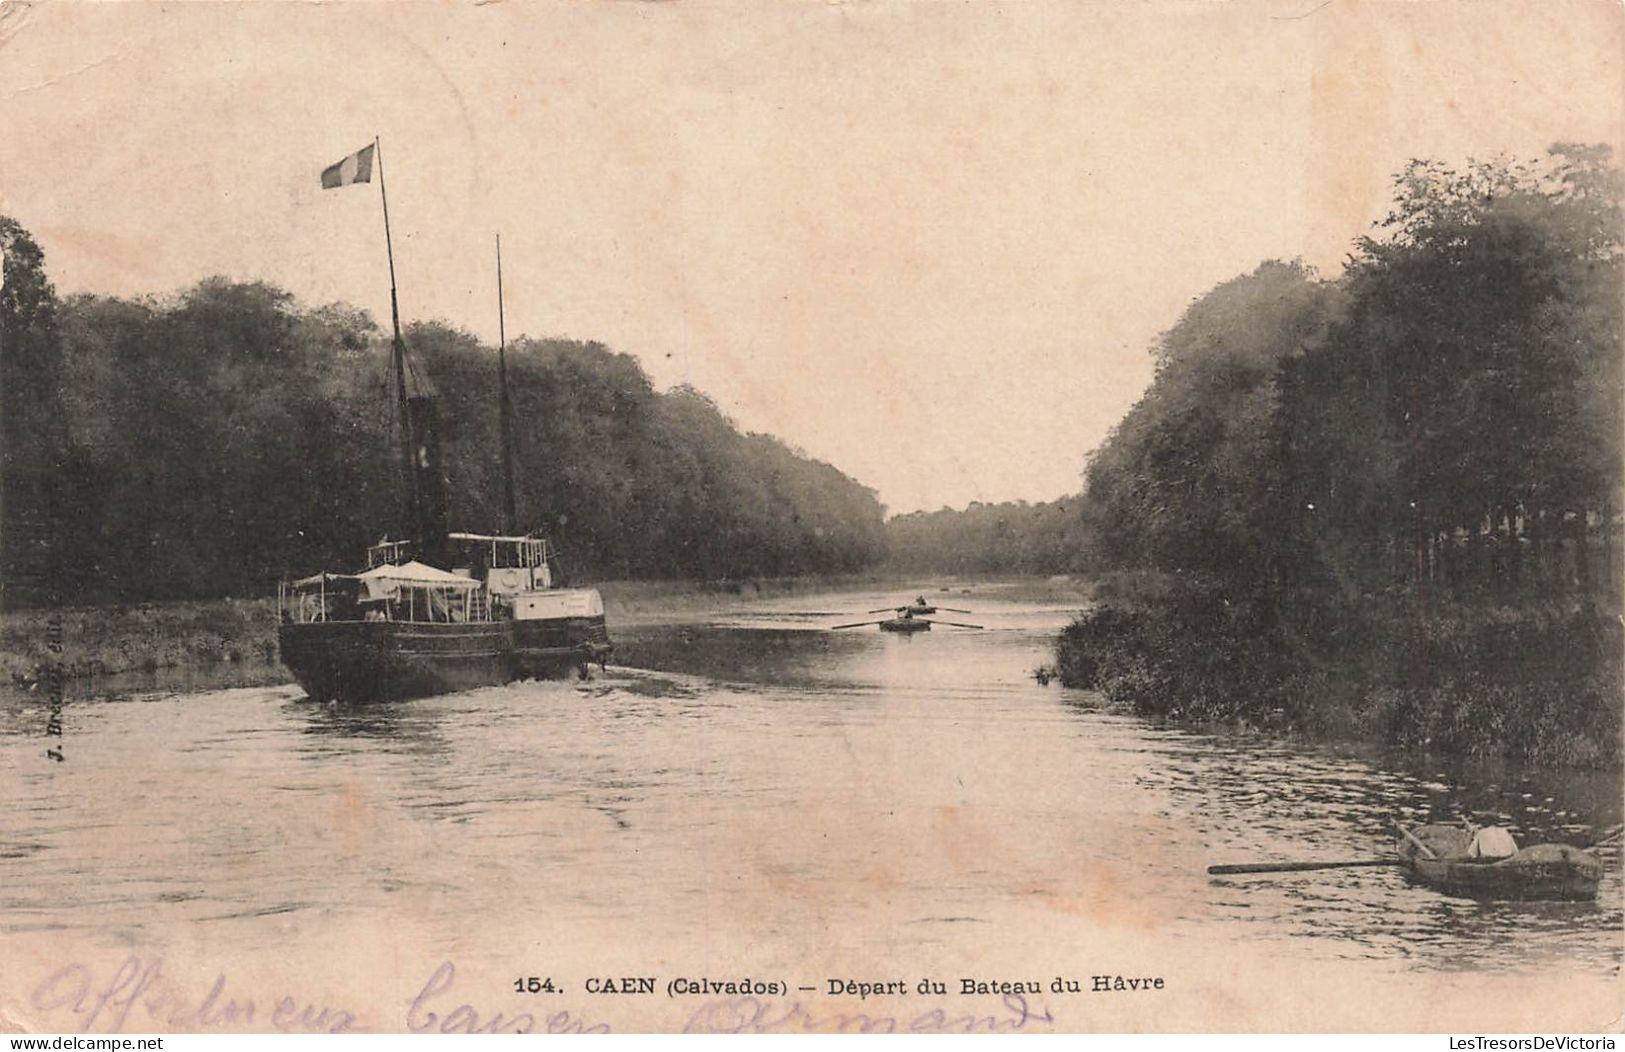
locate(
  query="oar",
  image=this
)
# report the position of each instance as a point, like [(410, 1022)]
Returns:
[(956, 624), (1299, 867), (885, 610), (856, 624), (955, 610)]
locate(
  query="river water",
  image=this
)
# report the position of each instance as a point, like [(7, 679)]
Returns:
[(750, 791)]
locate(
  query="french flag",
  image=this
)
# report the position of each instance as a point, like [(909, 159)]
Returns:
[(356, 168)]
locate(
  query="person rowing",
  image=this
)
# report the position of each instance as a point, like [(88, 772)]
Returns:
[(1490, 842)]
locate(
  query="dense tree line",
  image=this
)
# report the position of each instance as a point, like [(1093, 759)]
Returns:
[(1445, 414), (1384, 506), (208, 443), (1015, 537)]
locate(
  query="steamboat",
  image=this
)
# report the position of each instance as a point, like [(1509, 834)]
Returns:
[(403, 628), (436, 611)]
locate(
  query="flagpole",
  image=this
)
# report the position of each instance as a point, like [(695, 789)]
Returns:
[(510, 517), (409, 482)]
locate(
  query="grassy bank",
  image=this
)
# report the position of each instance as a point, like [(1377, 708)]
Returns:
[(100, 640), (1540, 682)]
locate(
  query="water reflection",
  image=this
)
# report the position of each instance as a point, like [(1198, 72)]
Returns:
[(878, 789), (769, 653), (337, 727)]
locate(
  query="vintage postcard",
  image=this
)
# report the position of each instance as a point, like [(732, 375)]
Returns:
[(864, 516)]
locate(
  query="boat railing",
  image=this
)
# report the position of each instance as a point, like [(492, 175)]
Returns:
[(305, 602), (338, 598), (433, 604), (499, 552), (387, 552)]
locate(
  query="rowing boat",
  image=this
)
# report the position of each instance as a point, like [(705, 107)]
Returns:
[(905, 624), (1437, 856)]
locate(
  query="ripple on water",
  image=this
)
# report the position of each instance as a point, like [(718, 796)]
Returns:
[(924, 787)]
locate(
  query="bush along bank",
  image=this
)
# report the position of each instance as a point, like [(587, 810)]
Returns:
[(143, 637), (1540, 683)]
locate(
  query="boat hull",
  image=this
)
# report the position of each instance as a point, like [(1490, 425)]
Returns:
[(369, 661), (1544, 872), (903, 624)]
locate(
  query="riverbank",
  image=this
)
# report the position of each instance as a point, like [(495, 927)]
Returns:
[(145, 637), (1538, 681), (136, 637)]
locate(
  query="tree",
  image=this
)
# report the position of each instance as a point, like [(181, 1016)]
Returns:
[(1429, 417), (1193, 478), (1484, 335), (30, 419)]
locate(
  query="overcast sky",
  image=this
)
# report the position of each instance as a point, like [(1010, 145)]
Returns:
[(927, 242)]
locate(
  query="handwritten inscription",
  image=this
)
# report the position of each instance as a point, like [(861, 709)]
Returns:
[(139, 992), (750, 1015)]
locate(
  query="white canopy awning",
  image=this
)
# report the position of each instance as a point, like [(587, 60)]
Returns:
[(385, 582), (417, 573)]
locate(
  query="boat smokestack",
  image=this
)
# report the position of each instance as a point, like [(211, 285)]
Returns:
[(428, 481)]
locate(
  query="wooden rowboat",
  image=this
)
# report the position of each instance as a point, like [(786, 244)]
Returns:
[(1437, 856), (905, 622)]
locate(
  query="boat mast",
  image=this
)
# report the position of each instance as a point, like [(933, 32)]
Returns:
[(505, 407), (409, 494)]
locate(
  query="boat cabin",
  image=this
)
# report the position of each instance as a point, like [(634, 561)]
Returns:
[(494, 577), (412, 592), (507, 565), (558, 604)]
